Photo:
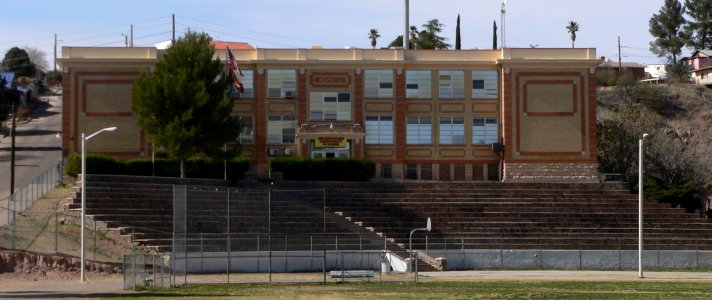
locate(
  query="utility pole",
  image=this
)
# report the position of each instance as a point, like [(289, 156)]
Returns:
[(406, 41), (620, 64), (131, 35), (13, 133), (55, 53), (174, 29)]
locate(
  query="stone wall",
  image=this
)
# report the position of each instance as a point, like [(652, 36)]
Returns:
[(550, 172)]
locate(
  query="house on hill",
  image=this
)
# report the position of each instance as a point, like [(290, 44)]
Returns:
[(635, 69), (701, 67), (470, 115)]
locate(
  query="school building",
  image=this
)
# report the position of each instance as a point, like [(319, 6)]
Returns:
[(467, 115)]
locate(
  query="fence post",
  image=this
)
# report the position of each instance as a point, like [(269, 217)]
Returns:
[(286, 255), (201, 253), (94, 239), (14, 225), (56, 232), (229, 255)]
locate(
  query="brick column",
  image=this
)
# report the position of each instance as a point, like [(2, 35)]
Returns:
[(506, 118), (67, 106), (301, 98), (260, 127), (358, 115), (399, 125)]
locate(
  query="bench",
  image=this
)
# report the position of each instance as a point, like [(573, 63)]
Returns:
[(353, 274)]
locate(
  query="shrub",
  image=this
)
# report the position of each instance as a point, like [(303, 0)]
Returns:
[(197, 167), (304, 169), (96, 164)]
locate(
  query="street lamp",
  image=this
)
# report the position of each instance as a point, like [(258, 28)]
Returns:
[(410, 246), (84, 193), (640, 205)]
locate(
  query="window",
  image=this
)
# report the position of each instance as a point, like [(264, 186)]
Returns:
[(330, 106), (493, 172), (281, 129), (417, 85), (484, 84), (386, 171), (379, 130), (451, 85), (247, 80), (281, 83), (484, 130), (419, 131), (247, 134), (411, 171), (379, 83), (452, 130)]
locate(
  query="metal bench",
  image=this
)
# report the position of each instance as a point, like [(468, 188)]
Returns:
[(352, 274)]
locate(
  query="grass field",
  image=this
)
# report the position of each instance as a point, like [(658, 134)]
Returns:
[(441, 290)]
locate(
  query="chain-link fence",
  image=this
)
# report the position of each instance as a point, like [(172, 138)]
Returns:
[(147, 270)]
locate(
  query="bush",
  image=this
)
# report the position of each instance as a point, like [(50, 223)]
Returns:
[(197, 167), (304, 169), (687, 195), (96, 164)]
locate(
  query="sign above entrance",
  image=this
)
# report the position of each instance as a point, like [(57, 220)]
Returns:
[(330, 142), (330, 80)]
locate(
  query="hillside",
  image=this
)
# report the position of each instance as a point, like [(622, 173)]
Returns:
[(679, 149)]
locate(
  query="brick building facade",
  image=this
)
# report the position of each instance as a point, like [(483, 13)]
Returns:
[(507, 114)]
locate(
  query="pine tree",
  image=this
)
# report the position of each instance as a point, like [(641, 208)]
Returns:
[(183, 105), (698, 28), (494, 35), (666, 28), (458, 43)]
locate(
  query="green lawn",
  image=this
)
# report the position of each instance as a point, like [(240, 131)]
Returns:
[(443, 290)]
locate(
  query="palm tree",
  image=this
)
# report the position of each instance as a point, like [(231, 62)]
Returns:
[(373, 35), (573, 27)]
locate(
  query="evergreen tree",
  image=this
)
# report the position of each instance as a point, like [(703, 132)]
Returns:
[(458, 42), (429, 38), (666, 28), (18, 61), (698, 28), (494, 35), (183, 105)]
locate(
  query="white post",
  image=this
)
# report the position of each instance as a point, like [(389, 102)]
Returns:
[(82, 277), (84, 195), (640, 205)]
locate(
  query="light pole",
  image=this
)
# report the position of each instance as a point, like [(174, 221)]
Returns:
[(84, 194), (410, 247), (640, 205)]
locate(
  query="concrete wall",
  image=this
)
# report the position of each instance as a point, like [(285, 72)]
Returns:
[(306, 261)]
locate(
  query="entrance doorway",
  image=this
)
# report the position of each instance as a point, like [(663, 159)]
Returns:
[(331, 152)]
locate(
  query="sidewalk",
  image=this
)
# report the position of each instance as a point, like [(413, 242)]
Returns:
[(13, 287)]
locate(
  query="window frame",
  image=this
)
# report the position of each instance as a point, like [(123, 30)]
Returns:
[(451, 128), (419, 138), (423, 82), (452, 82), (284, 130), (382, 77), (379, 137), (489, 134), (489, 90), (282, 90)]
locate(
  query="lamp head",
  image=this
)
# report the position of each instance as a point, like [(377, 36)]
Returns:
[(645, 135), (110, 129)]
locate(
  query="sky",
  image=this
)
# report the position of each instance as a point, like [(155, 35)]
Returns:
[(331, 23)]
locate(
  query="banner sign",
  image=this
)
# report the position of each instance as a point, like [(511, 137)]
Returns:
[(330, 142)]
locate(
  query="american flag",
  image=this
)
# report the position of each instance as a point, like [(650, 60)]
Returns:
[(235, 71)]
